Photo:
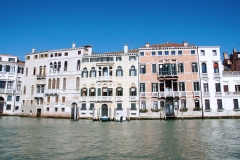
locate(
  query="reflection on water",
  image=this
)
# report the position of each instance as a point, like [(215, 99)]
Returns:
[(31, 138)]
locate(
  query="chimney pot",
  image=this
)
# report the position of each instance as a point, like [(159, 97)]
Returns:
[(146, 44), (125, 48), (73, 45), (33, 50)]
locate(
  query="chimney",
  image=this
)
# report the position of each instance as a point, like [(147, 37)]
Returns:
[(125, 48), (185, 43), (73, 45), (234, 50), (89, 50), (33, 50), (146, 44)]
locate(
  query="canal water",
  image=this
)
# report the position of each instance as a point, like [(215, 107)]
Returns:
[(32, 138)]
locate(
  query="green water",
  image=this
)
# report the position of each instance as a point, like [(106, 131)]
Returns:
[(32, 138)]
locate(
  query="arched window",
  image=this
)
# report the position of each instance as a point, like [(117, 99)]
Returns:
[(59, 66), (65, 66), (55, 67), (119, 71), (58, 82), (143, 105), (24, 90), (51, 67), (34, 71), (105, 71), (133, 91), (49, 83), (93, 72), (84, 73), (26, 72), (32, 89), (119, 91), (78, 65), (53, 83), (132, 71), (64, 83), (215, 67), (40, 71), (204, 67), (77, 82)]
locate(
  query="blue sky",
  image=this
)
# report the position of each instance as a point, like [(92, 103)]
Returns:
[(109, 24)]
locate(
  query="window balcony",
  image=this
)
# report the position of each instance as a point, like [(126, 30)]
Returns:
[(172, 94), (216, 75), (231, 73), (142, 94), (2, 90), (41, 76), (83, 98), (218, 94), (133, 98), (231, 94), (207, 109), (39, 95), (9, 91), (104, 98), (204, 75), (119, 98), (104, 78), (154, 94), (206, 94), (168, 74), (51, 91), (18, 92), (91, 98), (196, 93)]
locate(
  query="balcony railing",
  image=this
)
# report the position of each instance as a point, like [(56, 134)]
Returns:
[(231, 94), (154, 94), (41, 76), (142, 94), (196, 93), (104, 98), (133, 98), (173, 73), (104, 78), (83, 98), (172, 94), (206, 94), (119, 98), (231, 73), (91, 98), (204, 75), (51, 91), (216, 75), (18, 92), (9, 91), (39, 95), (218, 94)]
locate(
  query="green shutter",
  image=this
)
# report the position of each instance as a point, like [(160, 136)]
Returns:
[(135, 72), (153, 68), (99, 91), (121, 72), (135, 91), (91, 106), (129, 72), (116, 91), (89, 91), (157, 86), (122, 91), (143, 87), (144, 69)]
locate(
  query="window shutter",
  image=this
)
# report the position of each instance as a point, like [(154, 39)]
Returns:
[(99, 91), (82, 74), (121, 72), (86, 92), (157, 87), (116, 73), (129, 91), (116, 91), (81, 92), (182, 67), (87, 74), (143, 87), (135, 91), (144, 69), (89, 91), (129, 58), (196, 67), (135, 72), (7, 68), (152, 87), (129, 72), (121, 91)]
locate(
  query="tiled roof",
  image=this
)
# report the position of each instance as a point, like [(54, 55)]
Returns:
[(168, 44)]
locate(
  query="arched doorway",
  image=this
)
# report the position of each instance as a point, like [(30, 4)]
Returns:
[(74, 111), (1, 105), (104, 110)]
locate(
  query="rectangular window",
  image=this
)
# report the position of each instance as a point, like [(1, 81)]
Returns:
[(17, 98), (153, 53), (10, 85), (202, 53), (194, 67), (142, 69), (155, 105), (63, 109), (196, 86), (48, 99), (192, 51), (8, 107), (217, 87), (180, 67), (154, 87), (141, 53), (118, 58), (214, 52), (132, 58), (154, 68), (235, 103), (225, 87), (91, 106), (56, 99), (181, 86), (2, 84), (237, 88), (159, 53), (162, 104), (179, 52), (83, 106), (9, 98), (47, 108), (142, 87), (119, 106), (56, 109), (183, 103), (207, 104), (166, 52), (133, 91), (119, 91), (172, 52), (63, 99), (133, 106), (205, 87), (219, 104)]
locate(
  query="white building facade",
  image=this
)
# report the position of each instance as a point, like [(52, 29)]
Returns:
[(11, 71)]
